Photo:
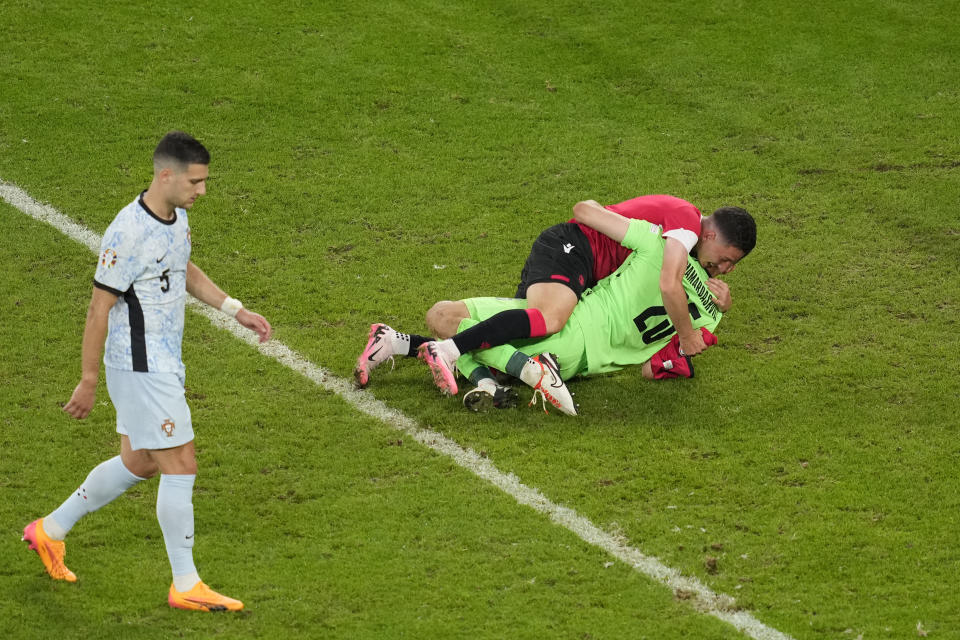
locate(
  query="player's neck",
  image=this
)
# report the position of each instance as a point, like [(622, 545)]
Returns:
[(158, 204)]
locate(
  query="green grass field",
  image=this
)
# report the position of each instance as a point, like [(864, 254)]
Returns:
[(370, 158)]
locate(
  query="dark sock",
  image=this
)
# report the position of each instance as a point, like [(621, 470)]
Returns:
[(516, 364), (513, 324), (415, 342), (479, 374)]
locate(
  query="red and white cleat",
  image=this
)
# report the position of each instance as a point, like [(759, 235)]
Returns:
[(551, 387)]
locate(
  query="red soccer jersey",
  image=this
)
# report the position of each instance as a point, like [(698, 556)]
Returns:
[(678, 218)]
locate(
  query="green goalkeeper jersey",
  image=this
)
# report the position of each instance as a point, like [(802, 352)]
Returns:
[(622, 320)]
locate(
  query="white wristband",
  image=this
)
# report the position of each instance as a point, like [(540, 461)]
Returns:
[(231, 307)]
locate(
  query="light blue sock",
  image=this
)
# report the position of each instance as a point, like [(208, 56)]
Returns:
[(104, 483), (175, 514)]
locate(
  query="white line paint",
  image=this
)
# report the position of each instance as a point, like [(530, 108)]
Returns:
[(702, 598)]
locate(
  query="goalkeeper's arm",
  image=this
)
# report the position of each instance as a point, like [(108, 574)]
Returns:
[(609, 223)]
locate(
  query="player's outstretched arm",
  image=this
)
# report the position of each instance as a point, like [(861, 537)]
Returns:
[(609, 223), (94, 334), (201, 287)]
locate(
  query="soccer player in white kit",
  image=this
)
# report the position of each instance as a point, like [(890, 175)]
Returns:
[(141, 283)]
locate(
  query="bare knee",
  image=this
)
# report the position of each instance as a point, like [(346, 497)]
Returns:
[(555, 302), (139, 463), (444, 318), (554, 321), (180, 460)]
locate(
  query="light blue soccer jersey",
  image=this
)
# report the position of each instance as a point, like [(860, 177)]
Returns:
[(143, 261)]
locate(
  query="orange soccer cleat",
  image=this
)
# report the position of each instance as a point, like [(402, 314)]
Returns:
[(202, 598), (51, 552)]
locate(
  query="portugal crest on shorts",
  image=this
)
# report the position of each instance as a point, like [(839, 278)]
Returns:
[(168, 427)]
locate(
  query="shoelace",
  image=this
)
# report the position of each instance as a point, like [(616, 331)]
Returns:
[(543, 399), (393, 362), (544, 395)]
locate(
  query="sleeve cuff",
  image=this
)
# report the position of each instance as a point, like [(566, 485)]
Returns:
[(686, 237), (100, 285)]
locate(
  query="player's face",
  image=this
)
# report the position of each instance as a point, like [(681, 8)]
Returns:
[(188, 185), (717, 257)]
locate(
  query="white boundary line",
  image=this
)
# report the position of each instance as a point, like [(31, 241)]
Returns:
[(702, 598)]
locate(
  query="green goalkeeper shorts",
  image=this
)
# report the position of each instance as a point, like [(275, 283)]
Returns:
[(567, 345)]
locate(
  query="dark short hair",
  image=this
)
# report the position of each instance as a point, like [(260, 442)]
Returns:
[(181, 148), (737, 227)]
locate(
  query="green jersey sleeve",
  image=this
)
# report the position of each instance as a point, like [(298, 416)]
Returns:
[(623, 320), (644, 237)]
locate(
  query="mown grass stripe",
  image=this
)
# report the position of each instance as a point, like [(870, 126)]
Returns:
[(701, 597)]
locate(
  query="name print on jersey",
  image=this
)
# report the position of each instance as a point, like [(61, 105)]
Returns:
[(706, 298)]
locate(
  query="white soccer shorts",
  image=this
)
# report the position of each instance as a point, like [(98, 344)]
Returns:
[(151, 408)]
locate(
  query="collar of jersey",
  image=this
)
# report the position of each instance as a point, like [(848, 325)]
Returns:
[(155, 216)]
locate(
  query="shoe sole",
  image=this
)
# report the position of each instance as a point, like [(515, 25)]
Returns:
[(361, 377), (442, 377), (198, 603), (509, 400), (206, 608), (481, 401), (478, 401)]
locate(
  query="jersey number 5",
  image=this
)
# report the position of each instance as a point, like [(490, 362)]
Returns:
[(165, 279), (653, 331)]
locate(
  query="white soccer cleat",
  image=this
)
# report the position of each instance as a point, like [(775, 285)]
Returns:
[(551, 387), (489, 395), (382, 345)]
